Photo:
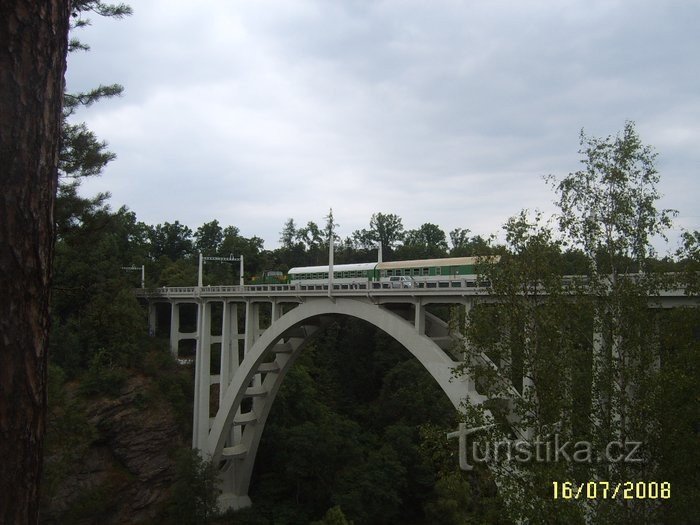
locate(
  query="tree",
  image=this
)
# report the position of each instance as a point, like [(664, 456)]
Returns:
[(583, 360), (427, 242), (172, 240), (288, 233), (464, 246), (208, 238), (386, 229), (81, 153), (608, 209), (331, 227), (33, 47), (689, 255), (193, 500)]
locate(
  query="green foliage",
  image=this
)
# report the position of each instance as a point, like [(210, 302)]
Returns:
[(465, 246), (426, 242), (385, 229), (608, 209), (334, 516), (370, 490), (182, 272), (103, 377), (689, 255), (581, 358), (194, 493), (171, 240), (68, 434), (288, 234), (94, 504), (452, 503), (675, 404), (175, 383)]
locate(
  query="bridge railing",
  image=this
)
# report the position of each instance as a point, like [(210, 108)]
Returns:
[(466, 284), (266, 289)]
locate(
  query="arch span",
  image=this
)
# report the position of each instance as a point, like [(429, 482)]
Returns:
[(234, 435)]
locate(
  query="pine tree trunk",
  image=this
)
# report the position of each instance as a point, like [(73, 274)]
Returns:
[(33, 45)]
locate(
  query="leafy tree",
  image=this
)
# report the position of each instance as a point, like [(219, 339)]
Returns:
[(311, 236), (580, 361), (465, 246), (208, 238), (608, 209), (689, 256), (386, 229), (533, 335), (370, 491), (172, 240), (193, 499), (459, 237), (334, 516), (428, 241)]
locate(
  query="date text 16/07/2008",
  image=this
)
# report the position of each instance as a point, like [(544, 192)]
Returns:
[(612, 490)]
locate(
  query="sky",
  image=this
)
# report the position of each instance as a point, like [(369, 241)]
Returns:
[(448, 112)]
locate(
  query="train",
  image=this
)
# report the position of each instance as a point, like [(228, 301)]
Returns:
[(395, 274)]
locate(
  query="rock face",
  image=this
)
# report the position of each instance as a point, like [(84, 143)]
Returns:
[(127, 469)]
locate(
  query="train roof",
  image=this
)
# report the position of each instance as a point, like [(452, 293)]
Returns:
[(336, 268), (425, 263)]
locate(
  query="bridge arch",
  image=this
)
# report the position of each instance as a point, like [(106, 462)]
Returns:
[(234, 435)]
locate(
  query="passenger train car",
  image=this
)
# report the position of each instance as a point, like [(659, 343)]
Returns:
[(396, 274)]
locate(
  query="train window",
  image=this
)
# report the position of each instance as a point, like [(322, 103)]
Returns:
[(426, 271)]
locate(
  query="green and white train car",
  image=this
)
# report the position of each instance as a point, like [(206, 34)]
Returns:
[(343, 274), (395, 274)]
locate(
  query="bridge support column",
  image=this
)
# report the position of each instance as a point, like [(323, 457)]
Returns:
[(229, 345), (174, 327), (420, 317), (276, 312), (152, 318), (252, 332), (202, 378)]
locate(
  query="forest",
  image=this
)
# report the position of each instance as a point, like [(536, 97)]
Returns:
[(358, 432)]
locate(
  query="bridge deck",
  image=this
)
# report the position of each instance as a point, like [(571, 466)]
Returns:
[(450, 290)]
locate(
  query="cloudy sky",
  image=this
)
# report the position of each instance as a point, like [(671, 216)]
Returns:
[(447, 111)]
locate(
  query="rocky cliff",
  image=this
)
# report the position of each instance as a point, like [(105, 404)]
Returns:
[(119, 465)]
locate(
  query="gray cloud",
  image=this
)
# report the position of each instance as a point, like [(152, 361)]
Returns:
[(446, 112)]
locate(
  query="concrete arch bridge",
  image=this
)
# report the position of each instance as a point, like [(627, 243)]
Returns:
[(247, 337)]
